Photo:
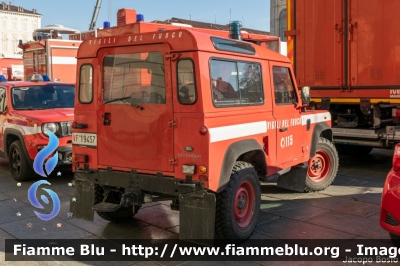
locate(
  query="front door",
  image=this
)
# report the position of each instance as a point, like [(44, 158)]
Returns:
[(135, 113), (288, 117)]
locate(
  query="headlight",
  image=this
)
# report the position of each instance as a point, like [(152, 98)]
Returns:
[(52, 127)]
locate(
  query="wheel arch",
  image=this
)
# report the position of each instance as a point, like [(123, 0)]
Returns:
[(248, 150), (321, 129), (11, 135)]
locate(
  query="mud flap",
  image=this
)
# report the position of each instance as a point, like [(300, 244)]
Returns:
[(295, 179), (197, 215), (82, 201)]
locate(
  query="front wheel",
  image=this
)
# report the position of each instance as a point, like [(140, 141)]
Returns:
[(20, 168), (323, 167), (238, 206)]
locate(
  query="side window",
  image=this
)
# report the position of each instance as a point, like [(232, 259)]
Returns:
[(186, 83), (236, 83), (86, 84), (137, 78), (283, 86), (3, 100)]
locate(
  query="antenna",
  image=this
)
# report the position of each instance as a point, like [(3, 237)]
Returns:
[(230, 14), (109, 11)]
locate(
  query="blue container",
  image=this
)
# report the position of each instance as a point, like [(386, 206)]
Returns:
[(106, 24), (234, 30), (139, 17)]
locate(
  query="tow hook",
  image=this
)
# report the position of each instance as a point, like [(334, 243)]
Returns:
[(129, 199)]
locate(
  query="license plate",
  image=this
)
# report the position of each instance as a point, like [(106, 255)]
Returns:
[(86, 139)]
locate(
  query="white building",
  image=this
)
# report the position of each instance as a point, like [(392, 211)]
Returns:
[(16, 23), (278, 18)]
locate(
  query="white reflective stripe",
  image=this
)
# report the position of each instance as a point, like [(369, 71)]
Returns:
[(237, 131), (25, 130), (315, 118), (63, 60)]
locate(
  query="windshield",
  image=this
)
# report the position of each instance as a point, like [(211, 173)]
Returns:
[(43, 97)]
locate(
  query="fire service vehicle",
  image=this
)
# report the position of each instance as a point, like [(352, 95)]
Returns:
[(346, 52), (49, 55), (194, 117), (28, 111)]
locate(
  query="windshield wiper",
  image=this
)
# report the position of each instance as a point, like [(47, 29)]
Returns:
[(123, 99), (117, 99)]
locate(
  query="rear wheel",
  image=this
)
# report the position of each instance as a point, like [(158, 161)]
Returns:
[(238, 206), (20, 168), (395, 240), (323, 167), (122, 214), (357, 150)]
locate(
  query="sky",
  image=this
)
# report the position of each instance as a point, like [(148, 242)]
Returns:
[(77, 14)]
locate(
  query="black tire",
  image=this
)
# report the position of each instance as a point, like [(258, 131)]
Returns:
[(120, 215), (395, 240), (357, 150), (323, 167), (20, 168), (243, 179)]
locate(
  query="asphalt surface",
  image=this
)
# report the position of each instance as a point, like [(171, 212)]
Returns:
[(349, 209)]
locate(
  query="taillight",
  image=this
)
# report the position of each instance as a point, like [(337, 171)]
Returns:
[(396, 115), (396, 158), (203, 130), (80, 158)]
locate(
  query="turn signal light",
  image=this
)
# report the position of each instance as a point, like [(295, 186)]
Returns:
[(203, 130), (202, 169)]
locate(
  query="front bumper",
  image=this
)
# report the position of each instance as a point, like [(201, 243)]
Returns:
[(64, 155)]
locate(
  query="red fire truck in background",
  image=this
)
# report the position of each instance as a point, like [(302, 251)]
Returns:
[(348, 53), (50, 55)]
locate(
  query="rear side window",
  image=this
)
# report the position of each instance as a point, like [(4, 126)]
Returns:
[(187, 93), (86, 84), (283, 86), (236, 83)]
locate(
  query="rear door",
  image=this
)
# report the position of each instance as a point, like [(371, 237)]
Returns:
[(374, 45), (135, 116), (319, 44)]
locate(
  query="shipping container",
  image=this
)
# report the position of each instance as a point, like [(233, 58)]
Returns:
[(348, 52)]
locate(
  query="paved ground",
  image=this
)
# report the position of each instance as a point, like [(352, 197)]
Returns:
[(349, 209)]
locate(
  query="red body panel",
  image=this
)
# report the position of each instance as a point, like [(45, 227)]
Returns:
[(390, 202), (347, 49)]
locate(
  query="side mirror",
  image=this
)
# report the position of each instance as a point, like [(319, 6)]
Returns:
[(305, 95)]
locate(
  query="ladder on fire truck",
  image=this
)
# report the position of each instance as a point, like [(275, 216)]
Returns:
[(95, 15)]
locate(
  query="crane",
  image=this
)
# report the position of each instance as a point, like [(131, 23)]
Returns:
[(95, 14)]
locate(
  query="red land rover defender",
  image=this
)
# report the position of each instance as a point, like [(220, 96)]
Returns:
[(28, 110), (196, 118)]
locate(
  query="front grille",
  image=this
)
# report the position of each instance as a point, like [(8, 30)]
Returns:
[(66, 128), (391, 220)]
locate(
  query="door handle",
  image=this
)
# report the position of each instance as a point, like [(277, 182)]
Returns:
[(283, 129), (107, 119)]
